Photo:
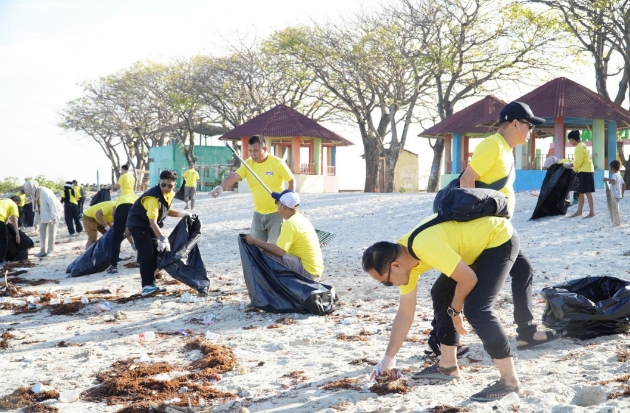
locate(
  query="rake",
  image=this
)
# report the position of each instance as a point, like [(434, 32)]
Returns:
[(323, 236), (613, 210)]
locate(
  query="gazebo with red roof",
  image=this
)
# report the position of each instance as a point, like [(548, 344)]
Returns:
[(286, 129)]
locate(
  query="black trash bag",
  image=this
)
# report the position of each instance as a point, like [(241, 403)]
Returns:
[(29, 215), (18, 252), (180, 194), (94, 259), (588, 307), (183, 262), (275, 288), (101, 196), (553, 192)]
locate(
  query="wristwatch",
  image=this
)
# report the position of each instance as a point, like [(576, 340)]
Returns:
[(452, 312)]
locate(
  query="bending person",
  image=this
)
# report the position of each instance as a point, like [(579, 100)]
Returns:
[(474, 258), (8, 212), (120, 212), (98, 218), (297, 246), (48, 212), (144, 222)]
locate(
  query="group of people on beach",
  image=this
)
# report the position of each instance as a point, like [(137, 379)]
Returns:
[(474, 258)]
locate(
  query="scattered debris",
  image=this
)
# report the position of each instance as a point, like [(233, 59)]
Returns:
[(296, 376), (63, 343), (4, 342), (20, 280), (67, 309), (398, 386), (343, 384), (621, 379), (345, 337), (447, 409), (364, 360), (623, 355), (624, 393), (23, 396)]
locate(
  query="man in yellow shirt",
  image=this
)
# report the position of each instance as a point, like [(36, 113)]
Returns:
[(190, 189), (297, 246), (8, 212), (144, 222), (585, 170), (70, 200), (98, 218), (126, 182), (474, 259), (273, 171)]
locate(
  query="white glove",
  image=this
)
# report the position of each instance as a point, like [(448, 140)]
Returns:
[(568, 165), (107, 228), (182, 214), (163, 245), (386, 363), (218, 190)]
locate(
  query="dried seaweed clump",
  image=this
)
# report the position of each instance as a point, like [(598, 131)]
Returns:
[(23, 396), (345, 337), (216, 358), (447, 409), (4, 340), (343, 384), (38, 408), (395, 387), (67, 309)]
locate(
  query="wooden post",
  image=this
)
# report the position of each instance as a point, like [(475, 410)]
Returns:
[(295, 154), (559, 137)]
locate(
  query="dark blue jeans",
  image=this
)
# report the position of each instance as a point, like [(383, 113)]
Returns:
[(120, 223), (492, 268), (71, 214)]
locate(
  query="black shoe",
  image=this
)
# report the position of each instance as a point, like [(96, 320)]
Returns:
[(112, 269)]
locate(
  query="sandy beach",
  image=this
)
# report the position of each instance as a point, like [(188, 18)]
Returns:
[(298, 363)]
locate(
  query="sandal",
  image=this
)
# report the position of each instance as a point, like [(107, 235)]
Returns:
[(436, 372), (495, 391), (530, 342)]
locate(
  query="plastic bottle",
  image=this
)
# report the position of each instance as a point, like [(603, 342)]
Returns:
[(212, 336), (69, 396), (185, 298), (55, 301), (142, 337), (510, 400), (85, 300)]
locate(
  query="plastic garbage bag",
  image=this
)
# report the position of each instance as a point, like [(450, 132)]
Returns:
[(183, 262), (553, 192), (588, 307), (94, 259), (18, 252), (275, 288), (101, 196), (180, 194)]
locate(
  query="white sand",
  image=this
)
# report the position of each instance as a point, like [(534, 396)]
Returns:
[(559, 377)]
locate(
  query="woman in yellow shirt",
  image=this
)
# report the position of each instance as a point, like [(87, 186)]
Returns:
[(583, 166)]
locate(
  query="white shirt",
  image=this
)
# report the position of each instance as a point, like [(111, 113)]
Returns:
[(615, 189)]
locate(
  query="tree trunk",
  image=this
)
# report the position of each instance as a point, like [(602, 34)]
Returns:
[(372, 148), (434, 176)]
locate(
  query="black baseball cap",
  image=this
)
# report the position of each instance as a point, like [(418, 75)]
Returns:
[(519, 111)]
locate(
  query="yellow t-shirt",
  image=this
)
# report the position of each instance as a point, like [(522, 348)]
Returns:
[(191, 176), (273, 171), (106, 207), (298, 237), (22, 200), (8, 208), (74, 195), (583, 162), (126, 199), (152, 205), (442, 246), (493, 160), (127, 182)]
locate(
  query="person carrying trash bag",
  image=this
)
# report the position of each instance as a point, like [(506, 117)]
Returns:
[(8, 212), (297, 246), (474, 258), (98, 218), (144, 221)]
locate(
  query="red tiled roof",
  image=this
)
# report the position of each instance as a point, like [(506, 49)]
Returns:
[(564, 98), (281, 122), (466, 120)]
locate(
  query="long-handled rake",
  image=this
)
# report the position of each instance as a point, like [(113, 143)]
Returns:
[(323, 236)]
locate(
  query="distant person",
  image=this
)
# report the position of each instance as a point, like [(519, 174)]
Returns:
[(120, 211), (617, 184), (126, 183), (273, 171), (8, 212), (297, 246), (21, 205), (78, 189), (583, 167), (474, 259), (70, 200), (144, 222), (98, 218), (48, 212), (190, 189)]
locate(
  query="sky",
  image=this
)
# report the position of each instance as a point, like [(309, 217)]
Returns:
[(48, 47)]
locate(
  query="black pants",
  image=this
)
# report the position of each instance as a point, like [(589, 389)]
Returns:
[(492, 268), (71, 214), (146, 244), (120, 223), (81, 201), (21, 217), (4, 240)]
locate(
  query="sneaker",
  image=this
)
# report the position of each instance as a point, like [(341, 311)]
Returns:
[(50, 254), (40, 254), (149, 290), (112, 269)]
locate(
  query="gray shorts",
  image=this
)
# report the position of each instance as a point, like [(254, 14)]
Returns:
[(266, 227), (189, 192)]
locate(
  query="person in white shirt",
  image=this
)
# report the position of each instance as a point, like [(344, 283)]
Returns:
[(617, 184)]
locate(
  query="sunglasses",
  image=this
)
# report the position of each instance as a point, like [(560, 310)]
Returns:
[(531, 125), (165, 185), (389, 273)]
